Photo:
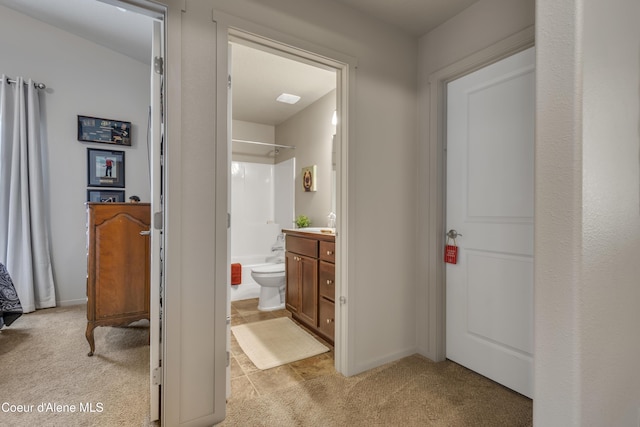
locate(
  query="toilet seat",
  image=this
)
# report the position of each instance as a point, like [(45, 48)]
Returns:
[(268, 269)]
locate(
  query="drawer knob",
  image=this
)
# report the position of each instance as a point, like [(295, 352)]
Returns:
[(329, 282), (329, 321), (329, 252)]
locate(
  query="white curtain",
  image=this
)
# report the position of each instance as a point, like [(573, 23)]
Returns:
[(24, 233)]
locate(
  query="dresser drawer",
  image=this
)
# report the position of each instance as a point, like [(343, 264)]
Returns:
[(327, 280), (302, 246), (328, 251), (326, 318)]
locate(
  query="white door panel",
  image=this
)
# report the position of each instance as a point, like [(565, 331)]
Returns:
[(509, 193), (489, 313), (508, 276)]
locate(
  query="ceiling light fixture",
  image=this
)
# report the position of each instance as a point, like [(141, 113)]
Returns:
[(287, 98)]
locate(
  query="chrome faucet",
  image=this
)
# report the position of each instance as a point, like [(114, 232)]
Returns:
[(279, 244)]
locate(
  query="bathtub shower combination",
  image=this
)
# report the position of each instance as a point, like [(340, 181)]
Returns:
[(261, 205)]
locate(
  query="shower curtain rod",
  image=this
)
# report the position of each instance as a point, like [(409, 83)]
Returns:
[(35, 84), (264, 143)]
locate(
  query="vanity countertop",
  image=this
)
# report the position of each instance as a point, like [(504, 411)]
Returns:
[(320, 233)]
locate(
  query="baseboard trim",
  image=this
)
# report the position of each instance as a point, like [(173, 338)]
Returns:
[(371, 364), (71, 302)]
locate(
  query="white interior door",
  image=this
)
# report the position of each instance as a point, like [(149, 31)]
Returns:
[(490, 189), (155, 167)]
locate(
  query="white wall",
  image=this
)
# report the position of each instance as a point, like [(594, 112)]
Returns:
[(382, 147), (588, 210), (87, 79), (311, 132), (196, 234)]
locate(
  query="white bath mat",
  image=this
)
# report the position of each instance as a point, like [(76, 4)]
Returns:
[(275, 342)]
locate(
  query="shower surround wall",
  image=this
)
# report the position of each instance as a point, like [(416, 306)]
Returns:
[(256, 221)]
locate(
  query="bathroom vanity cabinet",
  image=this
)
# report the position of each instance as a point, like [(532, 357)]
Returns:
[(118, 258), (310, 271)]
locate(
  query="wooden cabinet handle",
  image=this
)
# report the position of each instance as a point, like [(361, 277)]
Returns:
[(329, 321), (329, 282), (329, 252)]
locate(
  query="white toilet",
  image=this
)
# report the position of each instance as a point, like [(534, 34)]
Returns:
[(272, 281)]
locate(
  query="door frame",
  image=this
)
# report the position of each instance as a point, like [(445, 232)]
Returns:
[(233, 27), (159, 13), (432, 200)]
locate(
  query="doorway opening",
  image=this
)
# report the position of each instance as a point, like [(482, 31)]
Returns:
[(314, 135)]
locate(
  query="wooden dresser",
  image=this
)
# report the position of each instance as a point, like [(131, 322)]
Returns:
[(118, 265), (310, 270)]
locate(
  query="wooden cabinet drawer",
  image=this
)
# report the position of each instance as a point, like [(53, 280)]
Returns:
[(328, 251), (327, 280), (302, 246), (326, 318)]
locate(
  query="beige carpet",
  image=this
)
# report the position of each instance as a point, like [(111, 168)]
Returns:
[(275, 342), (43, 360), (411, 392)]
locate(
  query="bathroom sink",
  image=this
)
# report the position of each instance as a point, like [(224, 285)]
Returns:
[(323, 230)]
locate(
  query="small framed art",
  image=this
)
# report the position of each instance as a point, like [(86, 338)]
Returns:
[(309, 178), (105, 196), (107, 131), (105, 168)]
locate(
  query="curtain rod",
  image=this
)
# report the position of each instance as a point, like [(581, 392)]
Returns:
[(264, 143), (35, 84)]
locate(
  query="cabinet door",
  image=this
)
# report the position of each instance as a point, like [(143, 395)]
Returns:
[(309, 290), (292, 296), (122, 266)]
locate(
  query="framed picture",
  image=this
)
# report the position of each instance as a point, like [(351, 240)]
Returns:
[(105, 196), (309, 178), (105, 168), (107, 131)]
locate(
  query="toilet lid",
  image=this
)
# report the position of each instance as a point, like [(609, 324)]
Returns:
[(269, 268)]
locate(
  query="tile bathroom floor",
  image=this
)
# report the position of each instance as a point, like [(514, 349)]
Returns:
[(247, 380)]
